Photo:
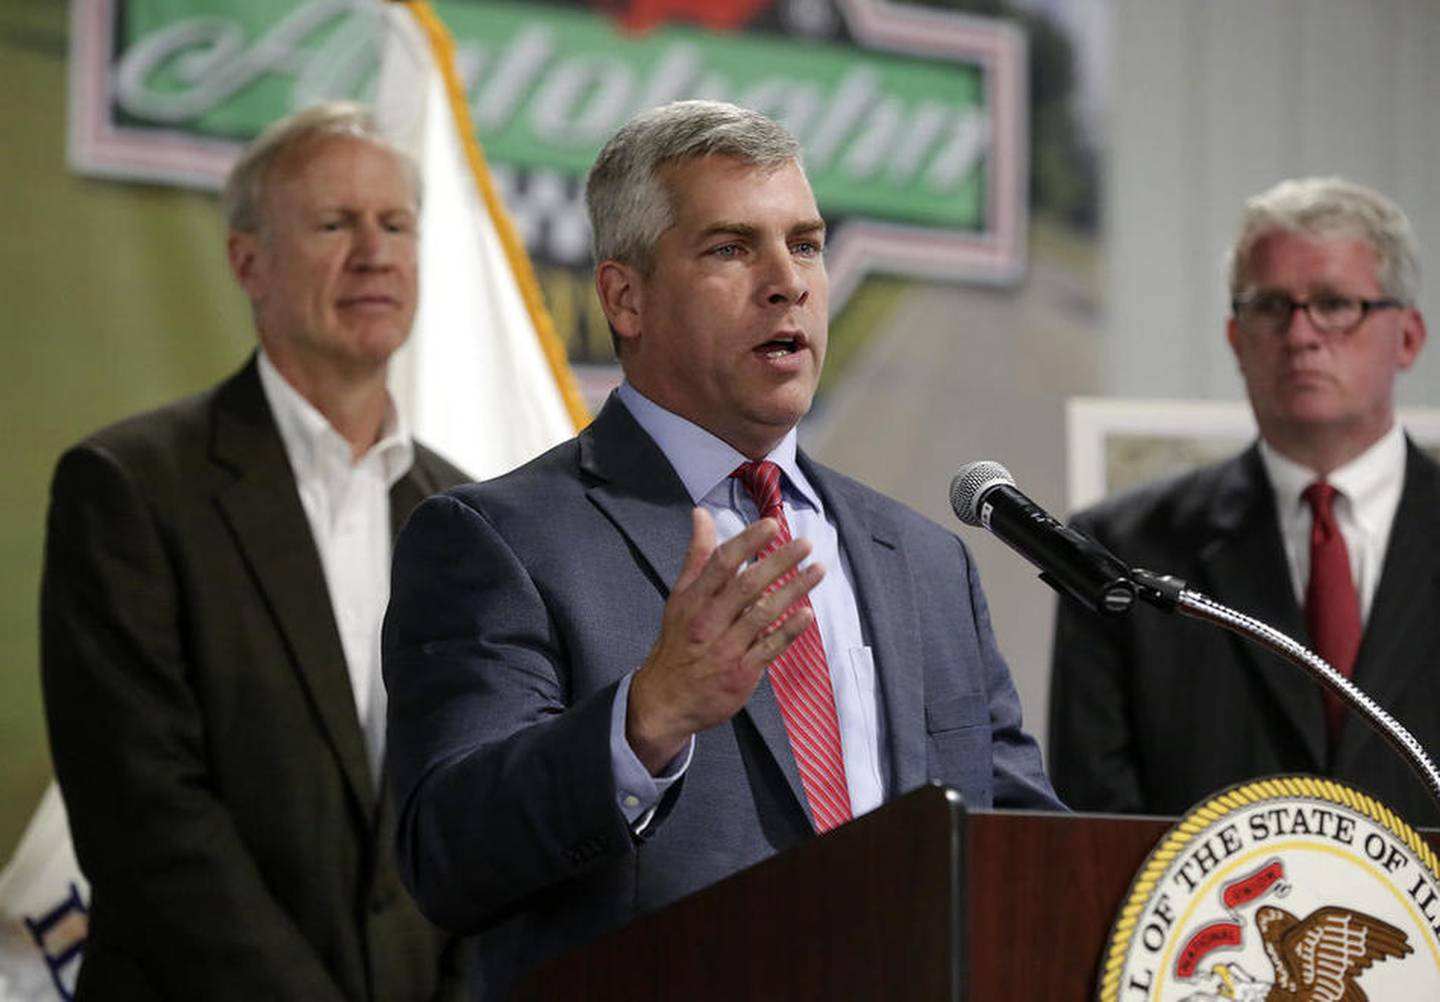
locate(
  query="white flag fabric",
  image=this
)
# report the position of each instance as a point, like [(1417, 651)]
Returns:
[(483, 379), (43, 921)]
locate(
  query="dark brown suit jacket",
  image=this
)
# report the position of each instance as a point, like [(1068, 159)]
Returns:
[(1152, 713), (203, 726)]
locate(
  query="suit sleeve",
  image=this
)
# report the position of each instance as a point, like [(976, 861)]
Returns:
[(1092, 758), (1018, 776), (170, 872), (502, 773)]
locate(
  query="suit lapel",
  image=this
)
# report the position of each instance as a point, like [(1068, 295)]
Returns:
[(263, 509), (1402, 628), (1245, 567), (638, 490), (885, 595)]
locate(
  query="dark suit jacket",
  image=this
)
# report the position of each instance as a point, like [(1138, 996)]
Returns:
[(1153, 713), (517, 607), (203, 726)]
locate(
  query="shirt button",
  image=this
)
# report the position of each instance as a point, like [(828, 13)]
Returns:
[(631, 800)]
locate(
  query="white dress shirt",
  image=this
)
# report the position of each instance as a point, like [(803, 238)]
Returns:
[(1369, 493), (704, 464), (347, 503)]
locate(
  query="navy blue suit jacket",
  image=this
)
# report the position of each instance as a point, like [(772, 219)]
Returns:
[(518, 605)]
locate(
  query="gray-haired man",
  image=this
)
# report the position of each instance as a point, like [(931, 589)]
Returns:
[(1325, 528), (599, 701), (215, 575)]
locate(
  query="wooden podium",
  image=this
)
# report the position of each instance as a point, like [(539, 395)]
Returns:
[(919, 900)]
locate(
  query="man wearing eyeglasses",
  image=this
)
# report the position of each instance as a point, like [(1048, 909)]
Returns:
[(1328, 528)]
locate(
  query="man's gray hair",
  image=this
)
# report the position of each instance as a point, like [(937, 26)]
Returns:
[(245, 186), (1329, 207), (628, 204)]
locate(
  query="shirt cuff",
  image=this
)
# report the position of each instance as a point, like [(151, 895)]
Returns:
[(637, 792)]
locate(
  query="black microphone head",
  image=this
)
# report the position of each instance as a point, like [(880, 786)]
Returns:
[(971, 483)]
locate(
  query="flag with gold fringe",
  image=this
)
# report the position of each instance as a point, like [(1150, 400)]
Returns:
[(484, 380)]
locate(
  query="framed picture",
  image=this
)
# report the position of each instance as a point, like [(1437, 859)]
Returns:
[(1116, 442)]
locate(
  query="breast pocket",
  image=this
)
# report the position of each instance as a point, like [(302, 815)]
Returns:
[(958, 745)]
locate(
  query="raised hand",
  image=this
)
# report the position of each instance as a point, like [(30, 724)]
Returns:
[(721, 627)]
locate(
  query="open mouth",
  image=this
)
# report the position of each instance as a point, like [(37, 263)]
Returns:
[(781, 345)]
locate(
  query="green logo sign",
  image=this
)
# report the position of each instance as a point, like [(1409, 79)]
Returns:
[(911, 119)]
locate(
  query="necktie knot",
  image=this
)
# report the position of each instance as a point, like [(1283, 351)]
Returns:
[(1321, 497), (762, 481)]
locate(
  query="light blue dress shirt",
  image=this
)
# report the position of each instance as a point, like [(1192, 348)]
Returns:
[(704, 464)]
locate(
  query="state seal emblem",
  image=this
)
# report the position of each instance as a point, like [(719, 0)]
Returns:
[(1292, 889)]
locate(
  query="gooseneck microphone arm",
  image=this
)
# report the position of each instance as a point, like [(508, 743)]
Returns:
[(1172, 595), (983, 493)]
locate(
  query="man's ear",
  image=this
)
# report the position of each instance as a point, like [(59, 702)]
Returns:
[(621, 293), (1412, 338), (1232, 334), (242, 252)]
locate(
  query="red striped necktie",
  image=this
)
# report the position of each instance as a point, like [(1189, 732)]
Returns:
[(801, 679), (1332, 609)]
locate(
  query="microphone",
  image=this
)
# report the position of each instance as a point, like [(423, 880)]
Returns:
[(983, 493)]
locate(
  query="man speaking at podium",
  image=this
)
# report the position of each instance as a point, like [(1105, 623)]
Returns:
[(601, 698), (1326, 529)]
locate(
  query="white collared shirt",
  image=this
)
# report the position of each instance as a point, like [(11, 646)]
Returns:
[(347, 503), (1369, 493)]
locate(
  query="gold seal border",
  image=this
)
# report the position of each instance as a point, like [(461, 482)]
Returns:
[(1206, 815)]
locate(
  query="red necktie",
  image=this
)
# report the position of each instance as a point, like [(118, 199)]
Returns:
[(1332, 609), (801, 679)]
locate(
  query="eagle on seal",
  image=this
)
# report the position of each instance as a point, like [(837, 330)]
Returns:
[(1319, 958)]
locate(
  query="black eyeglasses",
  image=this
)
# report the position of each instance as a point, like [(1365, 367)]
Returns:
[(1270, 312)]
